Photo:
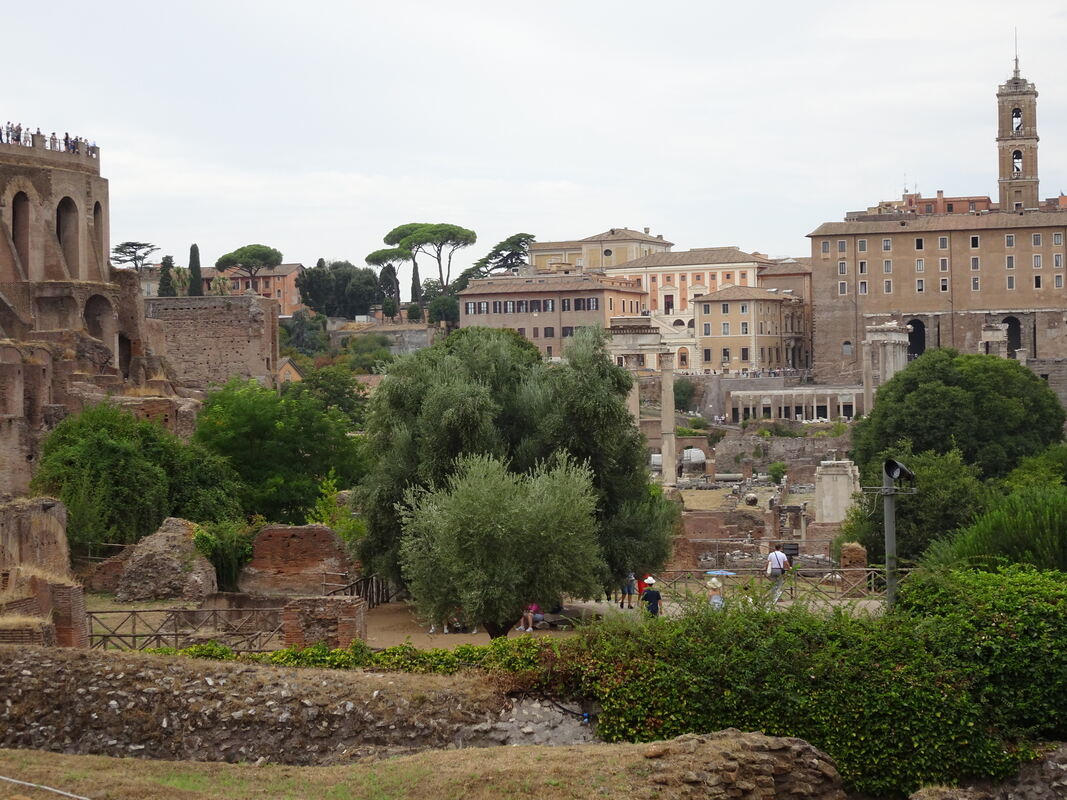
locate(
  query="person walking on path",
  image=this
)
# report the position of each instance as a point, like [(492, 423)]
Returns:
[(651, 596), (777, 564), (629, 589)]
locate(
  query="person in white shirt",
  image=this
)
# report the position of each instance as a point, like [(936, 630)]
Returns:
[(777, 564)]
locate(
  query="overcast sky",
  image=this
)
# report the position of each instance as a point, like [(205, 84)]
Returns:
[(316, 127)]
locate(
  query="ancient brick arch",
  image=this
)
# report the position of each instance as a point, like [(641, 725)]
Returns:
[(68, 234), (101, 322)]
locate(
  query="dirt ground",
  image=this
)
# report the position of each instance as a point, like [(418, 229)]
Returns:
[(396, 623)]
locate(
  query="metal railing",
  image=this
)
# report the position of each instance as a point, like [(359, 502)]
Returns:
[(800, 583), (244, 630)]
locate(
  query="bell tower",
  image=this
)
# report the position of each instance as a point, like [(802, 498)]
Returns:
[(1017, 143)]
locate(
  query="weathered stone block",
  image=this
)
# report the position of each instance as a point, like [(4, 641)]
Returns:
[(167, 564)]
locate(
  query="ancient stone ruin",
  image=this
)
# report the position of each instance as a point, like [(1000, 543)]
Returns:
[(297, 560), (165, 565)]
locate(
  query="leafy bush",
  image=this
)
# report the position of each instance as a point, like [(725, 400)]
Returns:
[(120, 476), (1027, 527), (681, 430), (228, 546), (776, 471), (698, 422), (880, 695), (1008, 630), (684, 389), (281, 447)]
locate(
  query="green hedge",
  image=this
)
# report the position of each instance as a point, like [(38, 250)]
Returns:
[(1008, 629), (878, 694), (953, 685)]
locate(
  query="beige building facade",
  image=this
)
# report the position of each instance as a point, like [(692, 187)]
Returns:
[(949, 276), (547, 308), (602, 250), (745, 330)]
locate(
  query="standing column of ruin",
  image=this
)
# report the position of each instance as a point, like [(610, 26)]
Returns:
[(633, 399), (667, 447)]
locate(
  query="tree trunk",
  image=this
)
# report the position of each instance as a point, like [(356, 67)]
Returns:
[(495, 630)]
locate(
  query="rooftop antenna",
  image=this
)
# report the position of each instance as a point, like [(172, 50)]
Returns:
[(1016, 52)]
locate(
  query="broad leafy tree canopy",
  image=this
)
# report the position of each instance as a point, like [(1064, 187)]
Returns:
[(490, 540), (133, 253), (250, 259), (282, 447), (994, 410), (488, 392)]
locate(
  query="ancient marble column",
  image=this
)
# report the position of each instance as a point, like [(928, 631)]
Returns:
[(633, 400), (667, 448)]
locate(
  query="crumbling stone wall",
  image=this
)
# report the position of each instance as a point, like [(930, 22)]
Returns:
[(33, 532), (736, 447), (212, 339), (293, 560), (337, 621), (131, 704)]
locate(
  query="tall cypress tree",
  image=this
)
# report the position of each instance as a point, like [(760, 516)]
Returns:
[(166, 281), (416, 284), (196, 280)]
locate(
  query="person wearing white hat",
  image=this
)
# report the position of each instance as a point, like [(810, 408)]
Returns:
[(651, 596), (715, 600)]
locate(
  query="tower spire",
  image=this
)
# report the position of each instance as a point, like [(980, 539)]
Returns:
[(1016, 73)]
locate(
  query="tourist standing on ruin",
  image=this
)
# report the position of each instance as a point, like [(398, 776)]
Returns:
[(777, 564)]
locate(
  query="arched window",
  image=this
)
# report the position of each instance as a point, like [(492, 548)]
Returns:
[(1016, 119), (98, 232), (67, 234), (1017, 162), (846, 348), (1015, 334), (20, 229)]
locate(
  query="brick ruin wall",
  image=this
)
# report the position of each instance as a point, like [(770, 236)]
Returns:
[(212, 339), (736, 448), (337, 621), (295, 560), (34, 532)]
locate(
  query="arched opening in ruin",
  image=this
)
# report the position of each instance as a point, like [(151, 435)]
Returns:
[(98, 236), (20, 230), (125, 355), (100, 320), (916, 338), (67, 234), (1015, 334)]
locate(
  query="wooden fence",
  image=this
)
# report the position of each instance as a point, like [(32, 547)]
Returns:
[(244, 630)]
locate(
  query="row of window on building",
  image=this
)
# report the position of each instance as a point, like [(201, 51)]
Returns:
[(548, 304), (1036, 240), (771, 330), (764, 352), (943, 284), (1037, 260)]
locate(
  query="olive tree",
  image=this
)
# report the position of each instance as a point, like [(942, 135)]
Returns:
[(488, 540)]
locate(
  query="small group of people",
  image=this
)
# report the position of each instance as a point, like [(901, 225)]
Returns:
[(644, 591), (14, 133)]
